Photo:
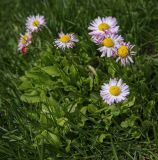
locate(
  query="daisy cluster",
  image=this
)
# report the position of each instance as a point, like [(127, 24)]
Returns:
[(33, 24), (104, 32)]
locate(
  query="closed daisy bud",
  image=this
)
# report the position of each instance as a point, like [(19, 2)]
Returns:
[(24, 50), (114, 91), (110, 44), (34, 23), (65, 41), (102, 26), (125, 53)]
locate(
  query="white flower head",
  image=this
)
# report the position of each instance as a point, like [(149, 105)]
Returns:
[(102, 26), (24, 40), (34, 23), (109, 43), (125, 53), (114, 91), (65, 40)]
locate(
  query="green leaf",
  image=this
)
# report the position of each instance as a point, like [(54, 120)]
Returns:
[(129, 122), (52, 70), (31, 97), (68, 145), (43, 119), (136, 134), (83, 110), (73, 72), (128, 103), (51, 138), (111, 70), (25, 85), (61, 121), (91, 108), (71, 108), (115, 110), (102, 137)]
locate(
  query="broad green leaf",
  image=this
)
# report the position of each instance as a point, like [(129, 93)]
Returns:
[(68, 145), (25, 85), (129, 122), (128, 103), (71, 108), (91, 108), (61, 121), (52, 70), (31, 97), (51, 138), (115, 110), (83, 110)]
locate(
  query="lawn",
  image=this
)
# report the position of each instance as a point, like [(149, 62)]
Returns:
[(50, 105)]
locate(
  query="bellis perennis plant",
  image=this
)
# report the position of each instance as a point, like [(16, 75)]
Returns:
[(103, 32), (67, 82)]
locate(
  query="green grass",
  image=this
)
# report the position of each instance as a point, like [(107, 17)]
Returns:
[(18, 129)]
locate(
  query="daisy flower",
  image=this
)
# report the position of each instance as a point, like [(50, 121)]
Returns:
[(24, 40), (65, 40), (34, 23), (114, 91), (101, 26), (110, 44), (124, 53)]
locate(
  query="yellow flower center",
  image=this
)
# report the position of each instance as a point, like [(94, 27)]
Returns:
[(108, 42), (103, 26), (24, 39), (65, 38), (36, 23), (123, 51), (115, 90)]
